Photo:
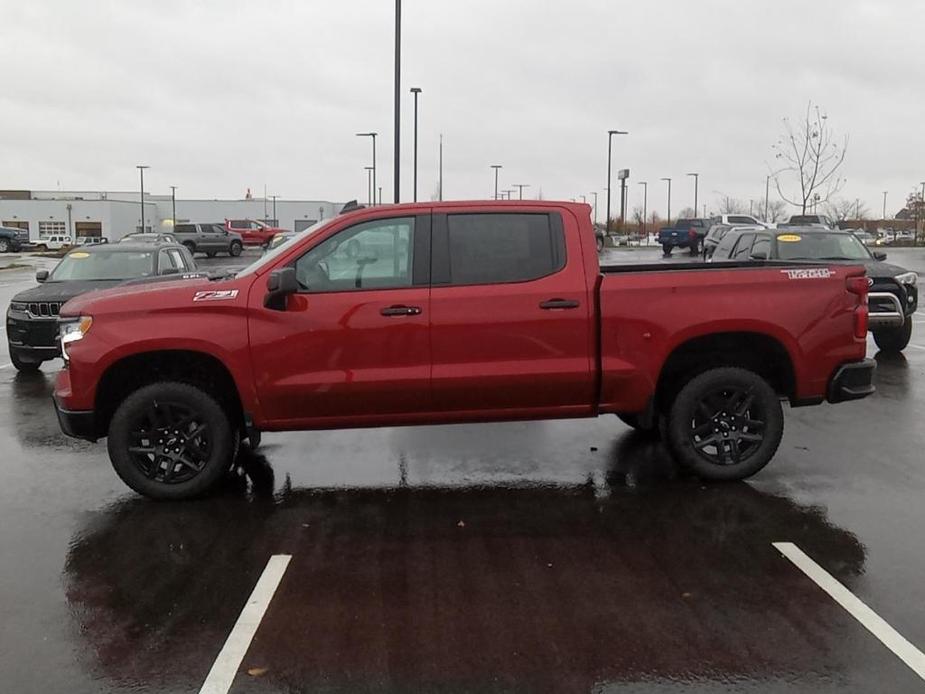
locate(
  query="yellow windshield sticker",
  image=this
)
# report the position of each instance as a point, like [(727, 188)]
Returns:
[(79, 254), (789, 238)]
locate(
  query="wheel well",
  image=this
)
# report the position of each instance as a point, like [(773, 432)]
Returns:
[(195, 368), (753, 351)]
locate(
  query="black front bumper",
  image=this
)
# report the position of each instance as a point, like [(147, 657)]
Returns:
[(852, 381), (77, 424)]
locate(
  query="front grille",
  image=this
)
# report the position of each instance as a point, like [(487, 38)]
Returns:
[(44, 309), (28, 333)]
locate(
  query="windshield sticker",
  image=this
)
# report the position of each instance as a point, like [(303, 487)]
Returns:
[(789, 238), (79, 254), (814, 273), (216, 295)]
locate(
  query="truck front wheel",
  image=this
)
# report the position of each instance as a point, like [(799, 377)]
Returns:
[(171, 441), (725, 424), (893, 340)]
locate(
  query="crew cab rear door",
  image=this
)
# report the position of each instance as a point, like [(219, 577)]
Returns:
[(352, 346), (511, 313)]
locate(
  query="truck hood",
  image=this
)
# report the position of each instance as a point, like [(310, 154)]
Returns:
[(63, 291), (158, 295)]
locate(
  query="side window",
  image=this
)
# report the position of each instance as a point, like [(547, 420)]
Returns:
[(372, 255), (185, 228), (761, 249), (165, 261), (178, 260), (497, 248), (743, 247), (725, 246), (739, 220)]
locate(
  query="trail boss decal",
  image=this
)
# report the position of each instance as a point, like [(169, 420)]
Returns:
[(813, 273), (216, 295)]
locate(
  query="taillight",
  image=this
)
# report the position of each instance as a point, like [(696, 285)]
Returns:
[(859, 287)]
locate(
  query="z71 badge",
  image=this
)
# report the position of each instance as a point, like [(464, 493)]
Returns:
[(216, 295), (813, 273)]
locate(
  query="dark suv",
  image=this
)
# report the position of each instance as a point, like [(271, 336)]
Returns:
[(10, 240), (32, 317), (209, 239), (893, 294)]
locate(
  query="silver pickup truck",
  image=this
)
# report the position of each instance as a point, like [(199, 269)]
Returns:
[(210, 239)]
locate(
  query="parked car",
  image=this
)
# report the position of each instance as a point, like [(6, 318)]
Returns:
[(10, 240), (395, 332), (210, 239), (685, 233), (808, 220), (716, 234), (893, 293), (740, 220), (32, 317), (148, 237), (56, 242), (253, 233), (91, 240)]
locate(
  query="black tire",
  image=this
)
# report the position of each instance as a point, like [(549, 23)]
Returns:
[(892, 340), (600, 244), (4, 245), (666, 249), (190, 246), (632, 420), (24, 365), (253, 439), (234, 250), (725, 424), (155, 418)]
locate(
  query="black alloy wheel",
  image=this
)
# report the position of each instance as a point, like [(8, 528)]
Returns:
[(170, 442), (728, 425)]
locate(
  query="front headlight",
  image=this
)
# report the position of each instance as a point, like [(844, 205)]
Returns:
[(907, 278), (71, 330)]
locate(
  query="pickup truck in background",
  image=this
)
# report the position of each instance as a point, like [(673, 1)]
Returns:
[(252, 232), (808, 220), (436, 313), (685, 233)]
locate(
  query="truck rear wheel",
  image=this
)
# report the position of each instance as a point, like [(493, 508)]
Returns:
[(725, 424), (666, 249), (171, 441), (894, 339)]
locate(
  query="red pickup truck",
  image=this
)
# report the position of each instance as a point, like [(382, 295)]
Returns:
[(253, 233), (456, 312)]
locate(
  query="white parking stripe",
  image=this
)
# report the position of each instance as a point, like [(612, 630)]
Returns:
[(875, 624), (5, 366), (239, 640)]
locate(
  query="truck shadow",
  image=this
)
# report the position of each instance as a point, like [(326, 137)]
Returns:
[(643, 574)]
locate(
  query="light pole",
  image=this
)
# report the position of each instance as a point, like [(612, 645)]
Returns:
[(767, 190), (507, 193), (415, 91), (520, 188), (884, 204), (373, 136), (696, 186), (594, 193), (610, 134), (141, 171), (496, 167), (645, 206), (397, 153), (669, 199), (440, 177), (370, 200), (275, 219), (173, 204)]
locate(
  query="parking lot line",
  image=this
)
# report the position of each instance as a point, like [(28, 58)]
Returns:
[(875, 624), (5, 366), (239, 640)]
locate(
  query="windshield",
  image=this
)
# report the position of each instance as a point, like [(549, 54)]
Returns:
[(274, 253), (816, 246), (103, 265)]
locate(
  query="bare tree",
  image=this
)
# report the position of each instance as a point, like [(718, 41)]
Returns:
[(731, 205), (809, 157), (638, 216), (777, 210), (843, 209)]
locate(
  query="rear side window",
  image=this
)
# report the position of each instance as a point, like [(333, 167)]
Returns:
[(724, 247), (743, 247), (741, 220), (498, 248), (185, 228), (761, 249)]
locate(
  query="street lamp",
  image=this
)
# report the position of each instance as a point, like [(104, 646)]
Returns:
[(669, 199), (645, 205), (884, 204), (496, 167), (369, 185), (696, 186), (520, 187), (173, 204), (610, 134), (767, 190), (275, 218), (141, 171), (415, 91), (373, 136), (594, 193), (397, 153)]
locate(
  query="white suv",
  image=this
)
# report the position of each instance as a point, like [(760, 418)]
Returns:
[(738, 220), (54, 243)]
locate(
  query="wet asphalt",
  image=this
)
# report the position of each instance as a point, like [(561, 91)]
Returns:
[(559, 556)]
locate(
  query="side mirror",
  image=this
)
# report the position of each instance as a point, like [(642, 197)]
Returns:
[(41, 275), (280, 284), (879, 255)]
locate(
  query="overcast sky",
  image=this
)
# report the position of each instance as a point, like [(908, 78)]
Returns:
[(223, 95)]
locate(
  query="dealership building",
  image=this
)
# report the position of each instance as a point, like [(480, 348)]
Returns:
[(41, 213)]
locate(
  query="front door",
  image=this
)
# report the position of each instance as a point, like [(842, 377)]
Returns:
[(352, 346), (511, 315)]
